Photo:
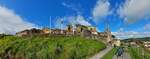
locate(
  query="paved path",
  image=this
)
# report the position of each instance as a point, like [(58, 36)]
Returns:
[(101, 53), (125, 56)]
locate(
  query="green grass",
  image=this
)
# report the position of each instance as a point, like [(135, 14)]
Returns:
[(110, 54), (137, 53), (54, 47)]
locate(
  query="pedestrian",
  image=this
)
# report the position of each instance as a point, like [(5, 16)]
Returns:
[(119, 51)]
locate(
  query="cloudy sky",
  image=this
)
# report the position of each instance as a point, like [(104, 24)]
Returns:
[(126, 18)]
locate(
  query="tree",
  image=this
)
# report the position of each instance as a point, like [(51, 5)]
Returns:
[(69, 28), (113, 36)]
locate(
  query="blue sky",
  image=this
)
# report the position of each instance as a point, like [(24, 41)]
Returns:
[(125, 19)]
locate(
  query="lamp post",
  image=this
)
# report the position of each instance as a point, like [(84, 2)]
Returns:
[(50, 24), (61, 26)]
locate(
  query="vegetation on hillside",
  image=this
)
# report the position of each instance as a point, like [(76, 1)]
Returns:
[(138, 53), (110, 54), (52, 47), (140, 39)]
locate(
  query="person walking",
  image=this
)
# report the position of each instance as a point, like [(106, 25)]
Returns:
[(119, 52)]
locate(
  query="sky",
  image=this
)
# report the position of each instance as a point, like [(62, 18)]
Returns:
[(125, 18)]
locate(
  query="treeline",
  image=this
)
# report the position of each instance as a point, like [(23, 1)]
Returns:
[(139, 39)]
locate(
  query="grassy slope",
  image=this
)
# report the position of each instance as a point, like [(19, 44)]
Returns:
[(110, 54), (136, 53), (48, 47)]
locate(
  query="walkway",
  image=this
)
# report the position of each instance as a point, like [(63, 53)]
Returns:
[(125, 56), (101, 53)]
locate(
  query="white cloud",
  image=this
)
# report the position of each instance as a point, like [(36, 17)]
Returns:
[(147, 27), (59, 24), (71, 20), (131, 34), (75, 19), (134, 10), (101, 9), (10, 23), (81, 20), (73, 7)]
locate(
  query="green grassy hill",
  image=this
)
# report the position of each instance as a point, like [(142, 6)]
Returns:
[(53, 47)]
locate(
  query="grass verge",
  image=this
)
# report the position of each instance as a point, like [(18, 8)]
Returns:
[(110, 54), (138, 53)]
